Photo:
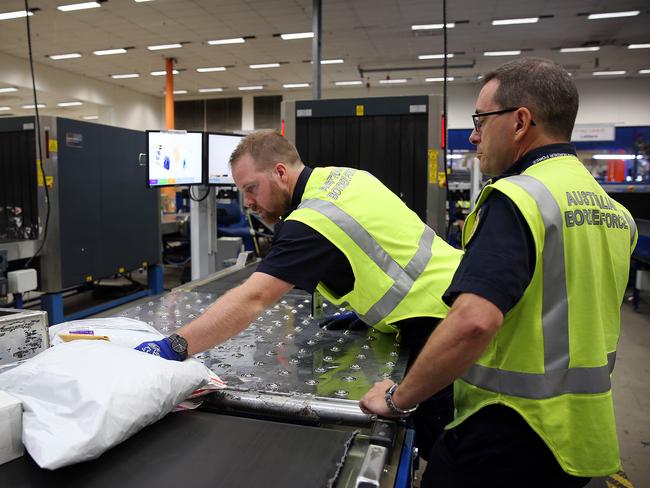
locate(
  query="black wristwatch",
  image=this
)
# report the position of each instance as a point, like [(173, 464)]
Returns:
[(394, 408), (179, 345)]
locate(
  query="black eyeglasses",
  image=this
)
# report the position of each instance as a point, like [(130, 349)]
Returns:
[(477, 117)]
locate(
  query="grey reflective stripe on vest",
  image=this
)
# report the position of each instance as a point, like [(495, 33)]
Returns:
[(403, 278), (558, 378), (632, 224)]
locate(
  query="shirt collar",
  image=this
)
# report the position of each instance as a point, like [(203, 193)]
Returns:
[(299, 189), (531, 157)]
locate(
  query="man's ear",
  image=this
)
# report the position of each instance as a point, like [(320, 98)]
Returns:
[(280, 170), (523, 122)]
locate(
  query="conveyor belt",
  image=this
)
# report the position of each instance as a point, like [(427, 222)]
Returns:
[(197, 449)]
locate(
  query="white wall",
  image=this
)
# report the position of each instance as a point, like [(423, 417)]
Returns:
[(117, 106)]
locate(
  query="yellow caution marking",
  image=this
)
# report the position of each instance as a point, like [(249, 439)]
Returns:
[(620, 478)]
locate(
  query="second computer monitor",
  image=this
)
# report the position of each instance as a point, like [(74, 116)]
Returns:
[(220, 147)]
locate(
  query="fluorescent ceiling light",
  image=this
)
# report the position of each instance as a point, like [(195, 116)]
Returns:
[(526, 20), (430, 80), (394, 80), (435, 56), (78, 6), (609, 73), (180, 92), (40, 105), (297, 35), (164, 46), (210, 90), (163, 73), (450, 25), (644, 71), (107, 52), (125, 75), (142, 1), (612, 15), (15, 15), (454, 156), (346, 83), (638, 46), (295, 85), (254, 87), (501, 53), (69, 104), (56, 57), (579, 49), (235, 40), (210, 70), (5, 108), (9, 89), (331, 61), (91, 117), (262, 66), (616, 156)]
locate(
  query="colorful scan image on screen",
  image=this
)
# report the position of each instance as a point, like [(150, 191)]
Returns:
[(220, 147), (175, 158)]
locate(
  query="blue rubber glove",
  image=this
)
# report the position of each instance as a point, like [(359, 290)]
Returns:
[(345, 320), (162, 348)]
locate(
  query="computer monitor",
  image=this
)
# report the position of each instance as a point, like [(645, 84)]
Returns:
[(174, 158), (220, 147)]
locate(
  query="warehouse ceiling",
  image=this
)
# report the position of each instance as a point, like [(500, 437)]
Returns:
[(374, 39)]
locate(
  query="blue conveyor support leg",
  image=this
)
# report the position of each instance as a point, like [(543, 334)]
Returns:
[(405, 469), (155, 279), (52, 303)]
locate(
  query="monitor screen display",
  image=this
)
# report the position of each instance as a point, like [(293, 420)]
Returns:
[(175, 158), (220, 147)]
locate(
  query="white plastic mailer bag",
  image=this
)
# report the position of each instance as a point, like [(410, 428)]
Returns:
[(83, 397), (120, 330)]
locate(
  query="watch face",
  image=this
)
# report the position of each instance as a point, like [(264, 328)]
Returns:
[(178, 343)]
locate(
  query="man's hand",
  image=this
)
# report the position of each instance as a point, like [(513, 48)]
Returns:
[(162, 348), (342, 321), (374, 402)]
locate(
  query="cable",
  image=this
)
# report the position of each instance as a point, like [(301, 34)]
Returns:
[(255, 238), (41, 166), (199, 199)]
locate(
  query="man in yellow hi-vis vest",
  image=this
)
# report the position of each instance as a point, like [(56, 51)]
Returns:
[(530, 340), (341, 231)]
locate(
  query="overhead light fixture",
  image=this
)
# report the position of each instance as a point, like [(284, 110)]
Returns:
[(501, 53), (295, 85), (644, 71), (297, 35), (91, 117), (234, 40), (15, 15), (435, 56), (56, 57), (69, 104), (526, 20), (28, 107), (331, 61), (639, 46), (616, 156), (253, 87), (78, 6), (346, 83), (125, 75), (180, 92), (579, 49), (8, 89), (142, 1), (450, 25), (394, 80), (433, 80), (210, 90), (262, 66), (163, 73), (609, 73), (455, 156), (211, 70), (613, 15), (160, 47), (5, 108), (107, 52)]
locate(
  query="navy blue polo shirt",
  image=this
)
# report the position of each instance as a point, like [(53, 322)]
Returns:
[(500, 258)]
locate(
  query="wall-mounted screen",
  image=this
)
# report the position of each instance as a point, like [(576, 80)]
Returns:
[(220, 147), (174, 158)]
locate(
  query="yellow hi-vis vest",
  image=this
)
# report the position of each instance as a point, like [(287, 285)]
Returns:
[(552, 358), (401, 268)]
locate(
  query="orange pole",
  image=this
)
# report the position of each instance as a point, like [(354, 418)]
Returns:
[(169, 92)]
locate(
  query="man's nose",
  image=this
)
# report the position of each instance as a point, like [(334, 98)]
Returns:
[(474, 137)]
